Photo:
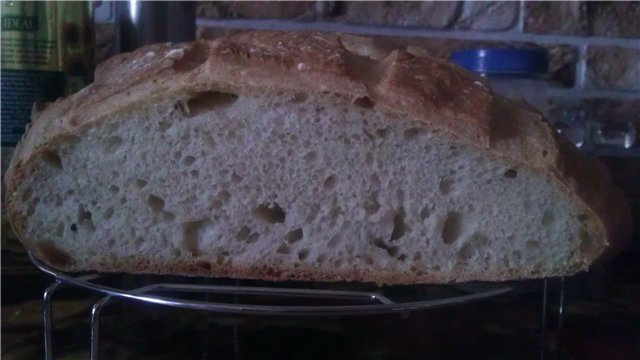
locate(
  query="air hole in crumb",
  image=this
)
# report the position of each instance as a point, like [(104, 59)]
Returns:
[(412, 133), (283, 249), (60, 229), (188, 160), (510, 174), (83, 214), (52, 159), (382, 133), (399, 226), (209, 140), (544, 153), (216, 204), (379, 243), (476, 242), (253, 238), (294, 236), (140, 183), (192, 234), (303, 254), (367, 259), (372, 205), (368, 159), (335, 212), (108, 213), (88, 225), (209, 100), (445, 186), (156, 203), (181, 107), (236, 179), (73, 227), (425, 213), (26, 194), (164, 126), (112, 142), (243, 233), (194, 173), (312, 212), (223, 196), (375, 181), (364, 102), (139, 242), (452, 228), (583, 217), (114, 189), (329, 183), (310, 156), (299, 97), (168, 216), (466, 252), (532, 244), (272, 214), (547, 218), (177, 155), (417, 256), (321, 258), (517, 256)]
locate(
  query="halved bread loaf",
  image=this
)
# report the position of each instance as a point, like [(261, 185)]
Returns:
[(305, 156)]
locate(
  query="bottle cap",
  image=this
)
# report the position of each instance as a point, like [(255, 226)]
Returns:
[(502, 61)]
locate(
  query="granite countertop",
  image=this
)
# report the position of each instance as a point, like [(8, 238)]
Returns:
[(601, 321)]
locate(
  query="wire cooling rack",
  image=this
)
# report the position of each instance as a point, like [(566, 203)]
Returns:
[(350, 302)]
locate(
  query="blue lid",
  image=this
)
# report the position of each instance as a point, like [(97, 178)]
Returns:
[(519, 62)]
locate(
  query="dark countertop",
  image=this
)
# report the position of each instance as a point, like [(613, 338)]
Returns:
[(601, 321)]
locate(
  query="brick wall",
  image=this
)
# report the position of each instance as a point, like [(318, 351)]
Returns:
[(594, 47)]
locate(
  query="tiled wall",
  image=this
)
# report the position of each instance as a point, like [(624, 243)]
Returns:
[(594, 47)]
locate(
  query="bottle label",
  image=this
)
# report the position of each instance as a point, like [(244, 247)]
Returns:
[(20, 89), (47, 53)]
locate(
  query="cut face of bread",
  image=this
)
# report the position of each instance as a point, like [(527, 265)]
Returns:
[(201, 162), (285, 183)]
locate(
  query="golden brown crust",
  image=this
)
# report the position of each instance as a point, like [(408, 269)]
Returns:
[(433, 93)]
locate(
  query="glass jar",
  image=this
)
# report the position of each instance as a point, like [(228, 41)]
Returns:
[(513, 73)]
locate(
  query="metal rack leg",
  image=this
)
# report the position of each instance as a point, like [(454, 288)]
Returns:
[(47, 312), (543, 320), (561, 305), (95, 326)]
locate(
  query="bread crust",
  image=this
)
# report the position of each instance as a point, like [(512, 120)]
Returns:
[(429, 91)]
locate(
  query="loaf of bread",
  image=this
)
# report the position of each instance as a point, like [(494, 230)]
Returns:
[(307, 156)]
